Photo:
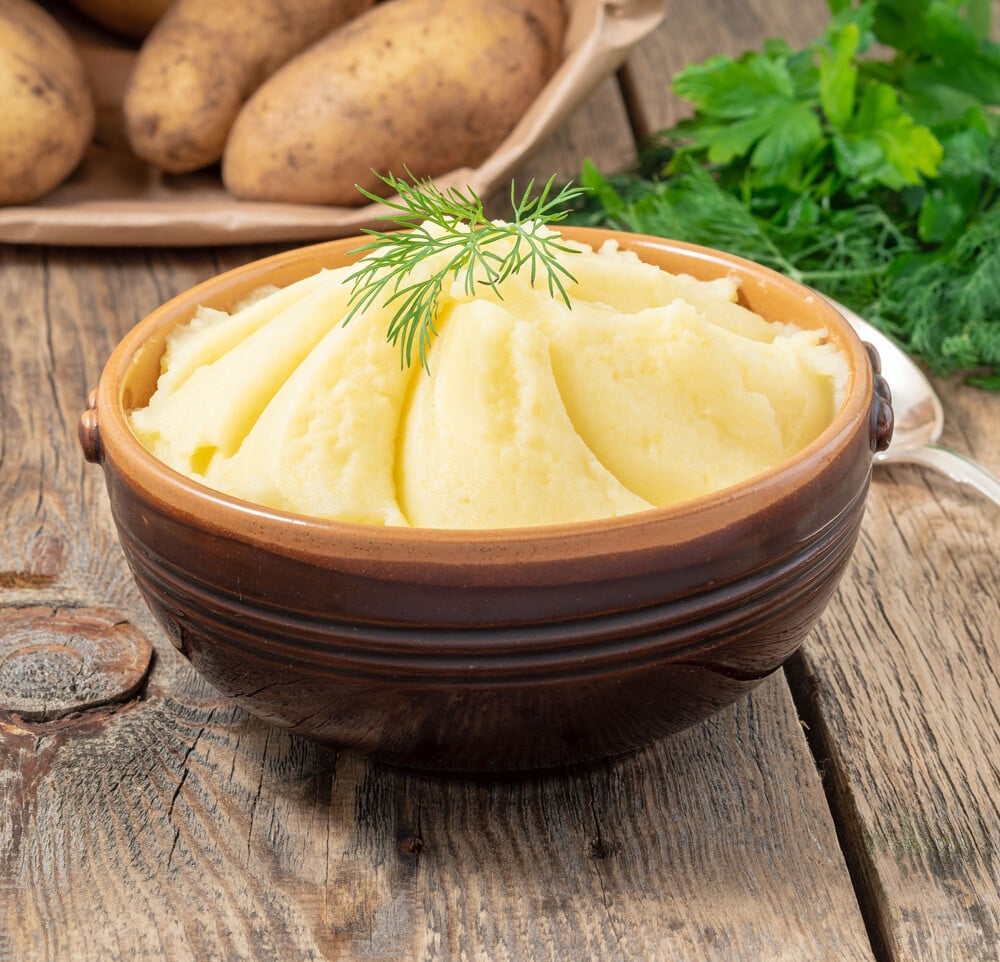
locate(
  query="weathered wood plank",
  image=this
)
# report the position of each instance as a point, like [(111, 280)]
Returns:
[(62, 316), (599, 130), (904, 687), (181, 829)]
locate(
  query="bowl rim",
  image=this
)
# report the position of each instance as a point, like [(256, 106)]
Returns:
[(313, 537)]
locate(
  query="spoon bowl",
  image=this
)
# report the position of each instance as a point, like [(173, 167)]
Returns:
[(918, 415)]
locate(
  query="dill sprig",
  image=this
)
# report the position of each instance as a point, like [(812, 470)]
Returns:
[(433, 222)]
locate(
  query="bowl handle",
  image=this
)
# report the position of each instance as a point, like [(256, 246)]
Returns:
[(89, 432), (880, 417)]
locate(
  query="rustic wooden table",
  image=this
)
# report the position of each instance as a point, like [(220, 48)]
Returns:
[(848, 810)]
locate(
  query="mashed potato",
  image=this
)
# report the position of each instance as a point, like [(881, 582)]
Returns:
[(654, 388)]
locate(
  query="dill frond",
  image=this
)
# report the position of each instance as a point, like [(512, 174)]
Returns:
[(451, 224)]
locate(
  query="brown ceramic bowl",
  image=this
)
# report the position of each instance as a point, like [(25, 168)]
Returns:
[(490, 650)]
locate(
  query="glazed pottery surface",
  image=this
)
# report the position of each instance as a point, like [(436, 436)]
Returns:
[(491, 650)]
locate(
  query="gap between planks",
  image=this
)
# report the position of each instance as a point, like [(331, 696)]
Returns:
[(843, 813)]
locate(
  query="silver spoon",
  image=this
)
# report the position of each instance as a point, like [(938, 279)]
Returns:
[(918, 416)]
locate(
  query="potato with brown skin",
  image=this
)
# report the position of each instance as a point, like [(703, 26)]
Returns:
[(426, 85), (130, 18), (200, 63), (46, 106)]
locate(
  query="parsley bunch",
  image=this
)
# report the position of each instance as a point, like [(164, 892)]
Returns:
[(875, 179)]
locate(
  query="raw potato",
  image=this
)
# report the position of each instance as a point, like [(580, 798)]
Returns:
[(430, 85), (200, 63), (45, 103), (131, 18)]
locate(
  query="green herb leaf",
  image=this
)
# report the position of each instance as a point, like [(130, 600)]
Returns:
[(883, 145), (838, 75), (731, 89)]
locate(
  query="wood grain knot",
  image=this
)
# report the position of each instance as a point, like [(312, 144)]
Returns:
[(411, 845), (54, 662), (599, 848)]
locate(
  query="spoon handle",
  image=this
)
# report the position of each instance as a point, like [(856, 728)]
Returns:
[(956, 466)]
